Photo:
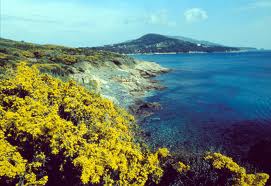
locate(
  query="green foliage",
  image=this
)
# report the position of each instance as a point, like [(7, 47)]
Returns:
[(64, 58), (27, 54), (94, 85), (11, 52), (3, 56)]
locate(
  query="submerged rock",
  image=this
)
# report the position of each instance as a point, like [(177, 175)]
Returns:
[(142, 109)]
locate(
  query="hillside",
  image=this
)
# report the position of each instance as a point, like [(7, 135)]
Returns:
[(191, 40), (155, 43), (117, 77)]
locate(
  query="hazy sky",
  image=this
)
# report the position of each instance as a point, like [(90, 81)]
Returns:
[(99, 22)]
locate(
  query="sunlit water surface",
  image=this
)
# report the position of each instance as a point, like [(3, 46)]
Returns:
[(212, 101)]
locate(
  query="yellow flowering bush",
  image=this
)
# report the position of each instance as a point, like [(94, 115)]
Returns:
[(13, 166), (181, 167), (65, 58), (3, 56), (12, 163), (53, 131), (27, 54), (240, 176)]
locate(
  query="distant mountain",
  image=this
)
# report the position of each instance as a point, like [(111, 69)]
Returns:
[(248, 49), (155, 43), (202, 42)]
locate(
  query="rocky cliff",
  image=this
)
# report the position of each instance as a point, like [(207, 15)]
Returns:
[(117, 77)]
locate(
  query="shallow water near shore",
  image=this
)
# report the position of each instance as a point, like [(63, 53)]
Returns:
[(218, 101)]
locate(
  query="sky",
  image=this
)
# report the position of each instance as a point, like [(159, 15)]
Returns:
[(99, 22)]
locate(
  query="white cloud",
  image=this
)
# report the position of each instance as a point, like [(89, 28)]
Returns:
[(195, 15)]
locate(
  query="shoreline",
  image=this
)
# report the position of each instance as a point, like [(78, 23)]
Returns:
[(125, 85), (193, 52), (120, 78)]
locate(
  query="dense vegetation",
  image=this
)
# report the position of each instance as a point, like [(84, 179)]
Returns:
[(59, 131), (155, 43), (56, 132), (58, 60)]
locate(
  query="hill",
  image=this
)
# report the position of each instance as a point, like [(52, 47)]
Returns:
[(155, 43), (191, 40), (117, 77)]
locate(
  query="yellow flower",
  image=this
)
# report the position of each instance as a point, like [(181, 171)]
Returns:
[(220, 161), (49, 119), (182, 167)]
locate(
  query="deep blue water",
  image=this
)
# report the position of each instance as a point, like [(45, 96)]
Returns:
[(212, 101)]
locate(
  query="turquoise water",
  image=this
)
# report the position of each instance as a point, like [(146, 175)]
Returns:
[(219, 101)]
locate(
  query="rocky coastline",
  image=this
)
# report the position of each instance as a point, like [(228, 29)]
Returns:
[(120, 78), (125, 85)]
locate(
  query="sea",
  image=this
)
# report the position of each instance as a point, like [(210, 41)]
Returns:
[(213, 102)]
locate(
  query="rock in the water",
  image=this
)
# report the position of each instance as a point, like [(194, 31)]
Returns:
[(143, 109)]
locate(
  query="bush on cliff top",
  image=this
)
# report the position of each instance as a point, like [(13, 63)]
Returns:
[(54, 132), (58, 133)]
